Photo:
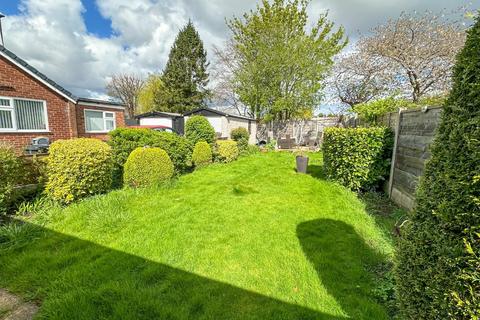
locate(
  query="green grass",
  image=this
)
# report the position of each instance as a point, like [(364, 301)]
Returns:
[(247, 240)]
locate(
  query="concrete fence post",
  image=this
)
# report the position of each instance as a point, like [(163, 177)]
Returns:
[(394, 153)]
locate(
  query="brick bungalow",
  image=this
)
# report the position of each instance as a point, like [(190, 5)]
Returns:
[(32, 105)]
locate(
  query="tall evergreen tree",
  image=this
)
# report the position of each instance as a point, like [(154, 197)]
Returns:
[(438, 271), (185, 75)]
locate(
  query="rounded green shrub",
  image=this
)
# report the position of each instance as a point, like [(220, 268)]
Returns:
[(358, 158), (10, 167), (146, 167), (202, 154), (124, 140), (438, 259), (227, 150), (178, 148), (78, 168), (239, 133), (199, 129), (243, 146)]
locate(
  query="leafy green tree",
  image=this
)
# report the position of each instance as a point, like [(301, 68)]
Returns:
[(153, 95), (185, 75), (280, 63), (438, 272)]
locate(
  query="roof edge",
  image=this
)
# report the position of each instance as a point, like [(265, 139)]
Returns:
[(221, 113), (99, 103), (159, 113), (37, 75)]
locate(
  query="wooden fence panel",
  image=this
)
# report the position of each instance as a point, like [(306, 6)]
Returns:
[(416, 132)]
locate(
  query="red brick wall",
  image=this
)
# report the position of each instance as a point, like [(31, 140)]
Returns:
[(119, 121), (16, 83), (65, 119)]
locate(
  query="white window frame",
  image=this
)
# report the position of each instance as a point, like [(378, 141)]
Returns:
[(11, 108), (104, 121)]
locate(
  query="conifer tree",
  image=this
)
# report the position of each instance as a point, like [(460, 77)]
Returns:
[(438, 269), (185, 75)]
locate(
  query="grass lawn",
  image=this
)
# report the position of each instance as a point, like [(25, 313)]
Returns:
[(247, 240)]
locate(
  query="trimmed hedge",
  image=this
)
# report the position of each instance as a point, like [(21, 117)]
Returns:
[(10, 166), (146, 167), (202, 154), (124, 140), (227, 150), (199, 129), (178, 148), (78, 168), (358, 158), (239, 133), (438, 261)]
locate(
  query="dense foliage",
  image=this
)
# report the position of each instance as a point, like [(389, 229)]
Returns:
[(357, 158), (243, 146), (280, 61), (147, 167), (227, 150), (372, 111), (199, 129), (185, 75), (152, 95), (438, 272), (9, 174), (239, 133), (78, 168), (202, 154), (179, 150), (124, 140)]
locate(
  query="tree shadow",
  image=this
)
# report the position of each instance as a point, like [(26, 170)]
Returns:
[(341, 258), (77, 279)]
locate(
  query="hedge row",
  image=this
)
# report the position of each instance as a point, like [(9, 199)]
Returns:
[(124, 140), (358, 158), (79, 168)]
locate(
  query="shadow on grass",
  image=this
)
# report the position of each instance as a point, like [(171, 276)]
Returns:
[(316, 171), (387, 215), (341, 257), (77, 279)]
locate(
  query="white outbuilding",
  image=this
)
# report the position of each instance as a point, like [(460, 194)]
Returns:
[(224, 123)]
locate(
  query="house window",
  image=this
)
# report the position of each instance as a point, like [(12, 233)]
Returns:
[(99, 121), (21, 115)]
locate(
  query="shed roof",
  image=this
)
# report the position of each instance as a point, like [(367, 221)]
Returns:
[(218, 112), (153, 114)]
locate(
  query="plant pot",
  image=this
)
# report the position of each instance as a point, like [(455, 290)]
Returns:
[(302, 164)]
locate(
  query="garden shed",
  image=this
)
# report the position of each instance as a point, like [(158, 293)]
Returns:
[(224, 123), (158, 118)]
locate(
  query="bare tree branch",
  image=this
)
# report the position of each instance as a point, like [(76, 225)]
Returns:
[(126, 88), (422, 49)]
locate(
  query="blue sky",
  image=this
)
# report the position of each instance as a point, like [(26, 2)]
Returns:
[(81, 43), (94, 21)]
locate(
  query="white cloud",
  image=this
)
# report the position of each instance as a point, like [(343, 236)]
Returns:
[(52, 35)]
